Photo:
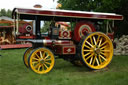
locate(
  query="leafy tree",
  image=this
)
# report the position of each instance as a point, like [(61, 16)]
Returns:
[(3, 12), (45, 26), (94, 5), (7, 13)]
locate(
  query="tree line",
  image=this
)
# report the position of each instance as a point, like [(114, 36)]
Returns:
[(7, 13)]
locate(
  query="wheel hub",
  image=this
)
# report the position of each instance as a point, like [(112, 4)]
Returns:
[(97, 50), (42, 61)]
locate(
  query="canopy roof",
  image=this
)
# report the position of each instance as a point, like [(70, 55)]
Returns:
[(25, 13)]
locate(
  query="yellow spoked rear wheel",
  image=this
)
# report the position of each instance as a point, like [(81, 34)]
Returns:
[(26, 55), (41, 60), (97, 50)]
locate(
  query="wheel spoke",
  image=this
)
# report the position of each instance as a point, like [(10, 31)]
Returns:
[(103, 43), (103, 47), (46, 56), (91, 60), (102, 53), (89, 44), (91, 40), (97, 61), (39, 67), (102, 57), (48, 63), (100, 42), (42, 66), (35, 59), (34, 62), (36, 66), (48, 59), (94, 60), (45, 66), (105, 50), (88, 50), (98, 39), (37, 55), (89, 56), (41, 54), (94, 40)]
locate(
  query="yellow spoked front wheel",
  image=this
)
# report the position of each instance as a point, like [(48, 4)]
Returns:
[(26, 55), (41, 60), (96, 50)]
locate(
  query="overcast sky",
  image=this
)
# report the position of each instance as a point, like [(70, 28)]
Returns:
[(10, 4)]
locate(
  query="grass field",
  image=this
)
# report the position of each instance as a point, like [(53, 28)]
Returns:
[(14, 72)]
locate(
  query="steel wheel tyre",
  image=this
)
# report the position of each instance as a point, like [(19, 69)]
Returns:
[(97, 50), (26, 55), (41, 60)]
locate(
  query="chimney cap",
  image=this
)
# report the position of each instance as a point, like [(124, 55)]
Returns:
[(37, 6)]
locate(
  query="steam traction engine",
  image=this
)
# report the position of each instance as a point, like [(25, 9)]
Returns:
[(79, 43), (7, 38)]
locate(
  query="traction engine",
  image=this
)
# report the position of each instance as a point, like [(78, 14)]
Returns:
[(78, 42)]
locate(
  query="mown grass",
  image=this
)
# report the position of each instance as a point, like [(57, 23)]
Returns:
[(14, 72)]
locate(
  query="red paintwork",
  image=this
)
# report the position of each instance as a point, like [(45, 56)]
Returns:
[(65, 13), (26, 37), (58, 46), (65, 49), (22, 29), (15, 46), (47, 38), (77, 30), (65, 34), (62, 49)]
